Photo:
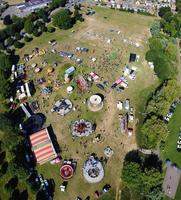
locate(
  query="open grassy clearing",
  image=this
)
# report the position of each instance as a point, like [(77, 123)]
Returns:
[(93, 34)]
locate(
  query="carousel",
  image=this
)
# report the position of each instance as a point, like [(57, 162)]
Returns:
[(81, 128), (93, 171), (66, 172), (95, 103)]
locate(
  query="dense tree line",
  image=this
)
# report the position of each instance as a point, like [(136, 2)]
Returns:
[(154, 130), (163, 52)]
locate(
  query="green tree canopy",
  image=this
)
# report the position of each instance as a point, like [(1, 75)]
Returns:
[(153, 131), (155, 28), (142, 177), (57, 3), (28, 26), (164, 10), (5, 63), (63, 19)]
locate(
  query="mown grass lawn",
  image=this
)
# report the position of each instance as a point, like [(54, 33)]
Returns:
[(170, 151)]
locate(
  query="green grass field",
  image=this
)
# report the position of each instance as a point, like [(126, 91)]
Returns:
[(171, 143), (170, 151), (111, 58), (93, 33)]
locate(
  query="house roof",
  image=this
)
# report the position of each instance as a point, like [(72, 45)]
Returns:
[(171, 181), (42, 146)]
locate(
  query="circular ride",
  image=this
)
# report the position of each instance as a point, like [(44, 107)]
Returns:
[(95, 103), (93, 171), (66, 172), (62, 107), (81, 128), (108, 152)]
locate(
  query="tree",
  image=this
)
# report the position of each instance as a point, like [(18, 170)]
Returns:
[(170, 29), (155, 194), (168, 16), (63, 19), (131, 175), (2, 47), (77, 14), (3, 36), (57, 3), (11, 29), (150, 179), (142, 175), (28, 39), (155, 28), (178, 6), (17, 170), (43, 28), (18, 36), (5, 63), (153, 131), (37, 33), (4, 86), (43, 14), (7, 20), (172, 52), (9, 41), (18, 45), (28, 26), (50, 29), (163, 10), (9, 135)]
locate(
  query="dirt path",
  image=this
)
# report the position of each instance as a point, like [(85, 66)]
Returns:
[(107, 123)]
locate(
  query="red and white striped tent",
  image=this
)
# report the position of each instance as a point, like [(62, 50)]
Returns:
[(42, 146)]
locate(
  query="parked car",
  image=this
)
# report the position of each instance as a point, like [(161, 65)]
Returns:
[(179, 148), (78, 198), (118, 89), (106, 188), (179, 142), (46, 183), (52, 42), (105, 83), (166, 119), (131, 117), (100, 86)]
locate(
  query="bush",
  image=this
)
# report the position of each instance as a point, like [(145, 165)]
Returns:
[(36, 33), (9, 41), (63, 19), (18, 44), (50, 29), (28, 39), (43, 28), (7, 20), (18, 36), (2, 46)]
